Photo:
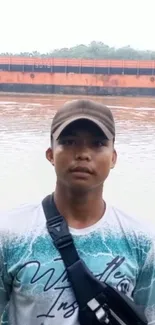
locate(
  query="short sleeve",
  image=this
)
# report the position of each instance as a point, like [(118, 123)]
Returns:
[(144, 293)]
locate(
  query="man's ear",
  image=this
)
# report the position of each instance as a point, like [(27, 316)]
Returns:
[(114, 159), (49, 155)]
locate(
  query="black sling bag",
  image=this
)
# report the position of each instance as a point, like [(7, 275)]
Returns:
[(98, 302)]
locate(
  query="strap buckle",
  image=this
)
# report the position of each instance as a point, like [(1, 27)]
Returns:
[(63, 241), (58, 229)]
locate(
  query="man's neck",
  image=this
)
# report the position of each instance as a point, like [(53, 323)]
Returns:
[(80, 210)]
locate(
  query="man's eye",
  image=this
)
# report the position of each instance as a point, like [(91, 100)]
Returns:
[(99, 143), (67, 142)]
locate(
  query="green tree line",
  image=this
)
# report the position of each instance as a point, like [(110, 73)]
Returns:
[(95, 50)]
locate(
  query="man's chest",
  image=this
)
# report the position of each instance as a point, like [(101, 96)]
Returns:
[(41, 278)]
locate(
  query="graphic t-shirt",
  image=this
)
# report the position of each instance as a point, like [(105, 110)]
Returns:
[(34, 289)]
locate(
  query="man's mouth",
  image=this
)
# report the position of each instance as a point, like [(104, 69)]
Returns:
[(81, 169)]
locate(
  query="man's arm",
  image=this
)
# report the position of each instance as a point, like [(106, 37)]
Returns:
[(144, 293), (4, 287)]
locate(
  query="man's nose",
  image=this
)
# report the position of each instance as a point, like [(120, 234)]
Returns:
[(83, 152)]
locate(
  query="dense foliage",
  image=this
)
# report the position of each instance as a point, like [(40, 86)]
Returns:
[(95, 50)]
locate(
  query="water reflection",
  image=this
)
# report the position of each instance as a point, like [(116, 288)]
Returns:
[(26, 175)]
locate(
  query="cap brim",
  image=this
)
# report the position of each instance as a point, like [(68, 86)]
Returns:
[(102, 127)]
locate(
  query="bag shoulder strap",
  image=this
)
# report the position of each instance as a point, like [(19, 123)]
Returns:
[(89, 286), (63, 241), (59, 232)]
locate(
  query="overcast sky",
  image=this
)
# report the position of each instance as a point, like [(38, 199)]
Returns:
[(27, 25)]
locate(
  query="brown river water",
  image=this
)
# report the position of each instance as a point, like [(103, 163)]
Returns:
[(26, 176)]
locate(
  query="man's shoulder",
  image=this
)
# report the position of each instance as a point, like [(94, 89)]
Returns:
[(20, 218), (132, 224), (21, 209)]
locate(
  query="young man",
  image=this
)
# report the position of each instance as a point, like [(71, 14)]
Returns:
[(33, 284)]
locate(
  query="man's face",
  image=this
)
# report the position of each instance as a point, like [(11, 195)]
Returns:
[(82, 156)]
